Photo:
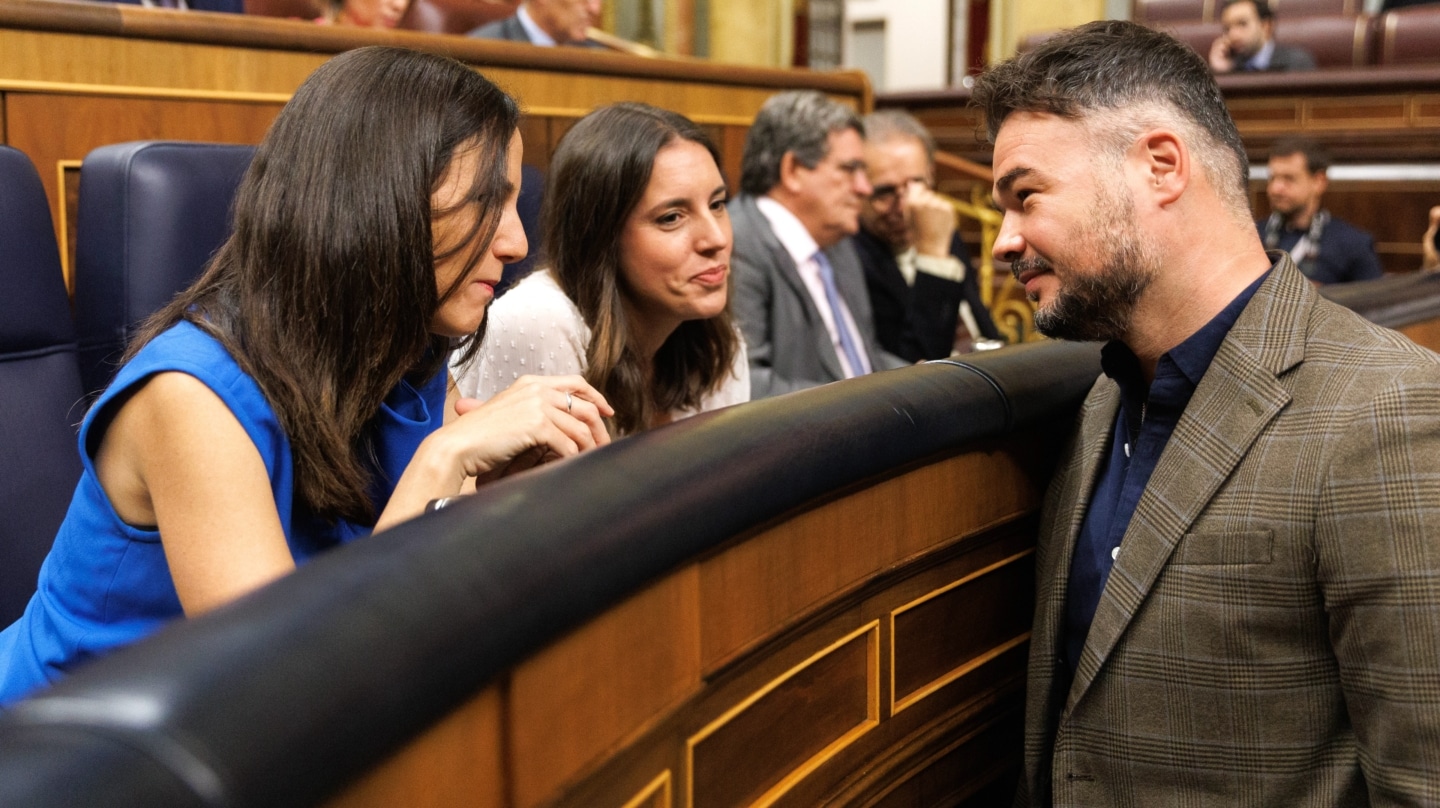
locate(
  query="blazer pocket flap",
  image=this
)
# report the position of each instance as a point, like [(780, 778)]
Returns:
[(1236, 547)]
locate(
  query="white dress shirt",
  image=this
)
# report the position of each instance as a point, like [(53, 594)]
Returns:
[(535, 32), (801, 246)]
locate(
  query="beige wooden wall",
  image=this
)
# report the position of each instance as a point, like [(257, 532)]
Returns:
[(1012, 20)]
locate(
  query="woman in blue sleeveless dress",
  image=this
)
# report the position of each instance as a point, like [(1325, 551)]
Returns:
[(295, 397)]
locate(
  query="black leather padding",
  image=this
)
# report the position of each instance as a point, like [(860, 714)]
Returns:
[(1393, 301), (287, 695)]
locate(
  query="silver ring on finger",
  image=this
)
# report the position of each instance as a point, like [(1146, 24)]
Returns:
[(569, 399)]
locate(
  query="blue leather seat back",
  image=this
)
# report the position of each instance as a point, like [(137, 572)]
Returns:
[(39, 384), (152, 213)]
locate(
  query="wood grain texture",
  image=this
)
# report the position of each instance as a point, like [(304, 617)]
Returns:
[(801, 715), (755, 588), (461, 755), (767, 743), (584, 695)]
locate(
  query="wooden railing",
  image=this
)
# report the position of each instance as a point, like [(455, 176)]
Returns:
[(818, 599)]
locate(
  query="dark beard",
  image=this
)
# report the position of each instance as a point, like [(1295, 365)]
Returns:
[(1094, 307)]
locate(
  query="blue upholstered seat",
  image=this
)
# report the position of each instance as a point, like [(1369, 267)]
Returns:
[(39, 384), (151, 215)]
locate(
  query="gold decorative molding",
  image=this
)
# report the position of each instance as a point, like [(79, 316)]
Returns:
[(123, 91), (62, 223), (658, 788), (969, 665), (795, 775)]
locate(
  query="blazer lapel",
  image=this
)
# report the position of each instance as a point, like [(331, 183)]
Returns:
[(1076, 485), (1238, 397), (790, 276)]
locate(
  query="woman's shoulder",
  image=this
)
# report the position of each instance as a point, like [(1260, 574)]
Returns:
[(536, 312), (188, 349), (536, 297)]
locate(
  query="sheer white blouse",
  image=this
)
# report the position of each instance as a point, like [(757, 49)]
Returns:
[(535, 329)]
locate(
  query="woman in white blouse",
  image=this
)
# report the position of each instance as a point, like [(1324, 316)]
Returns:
[(635, 296)]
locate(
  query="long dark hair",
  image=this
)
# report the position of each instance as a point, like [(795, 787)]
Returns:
[(326, 291), (598, 175)]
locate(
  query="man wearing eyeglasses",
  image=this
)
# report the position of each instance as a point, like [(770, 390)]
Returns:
[(924, 292), (797, 288)]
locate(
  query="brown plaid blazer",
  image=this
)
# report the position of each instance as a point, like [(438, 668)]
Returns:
[(1270, 632)]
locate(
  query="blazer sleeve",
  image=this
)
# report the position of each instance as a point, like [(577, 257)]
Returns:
[(1377, 545)]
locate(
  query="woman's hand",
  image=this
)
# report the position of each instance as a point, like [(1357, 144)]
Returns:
[(533, 421)]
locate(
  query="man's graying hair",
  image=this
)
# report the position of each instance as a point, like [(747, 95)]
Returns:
[(1114, 67), (799, 122), (889, 124)]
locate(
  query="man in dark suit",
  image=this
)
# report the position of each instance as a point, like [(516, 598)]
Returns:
[(923, 290), (546, 23), (1238, 567), (1327, 249), (1248, 42), (797, 288)]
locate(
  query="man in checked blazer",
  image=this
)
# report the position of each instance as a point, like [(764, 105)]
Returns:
[(1238, 571), (797, 287)]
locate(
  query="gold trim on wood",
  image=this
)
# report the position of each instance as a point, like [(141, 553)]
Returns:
[(63, 222), (700, 118), (660, 785), (872, 677), (971, 664), (122, 91)]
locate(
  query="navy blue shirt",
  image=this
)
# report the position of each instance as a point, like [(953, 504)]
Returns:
[(1143, 426)]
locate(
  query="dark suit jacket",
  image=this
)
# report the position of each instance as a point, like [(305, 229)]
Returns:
[(1270, 632), (510, 30), (788, 344), (1347, 253), (1286, 57), (919, 322)]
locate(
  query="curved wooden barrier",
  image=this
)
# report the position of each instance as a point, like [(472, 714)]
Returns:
[(818, 599)]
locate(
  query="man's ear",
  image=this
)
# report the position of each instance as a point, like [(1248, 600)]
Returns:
[(790, 172), (1164, 164), (1322, 181)]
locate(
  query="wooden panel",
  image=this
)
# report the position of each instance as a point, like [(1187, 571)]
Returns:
[(1426, 334), (799, 719), (733, 152), (930, 649), (753, 589), (117, 62), (1426, 110), (1358, 112), (979, 769), (460, 755), (53, 128), (535, 135), (658, 794), (588, 693), (1267, 113)]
